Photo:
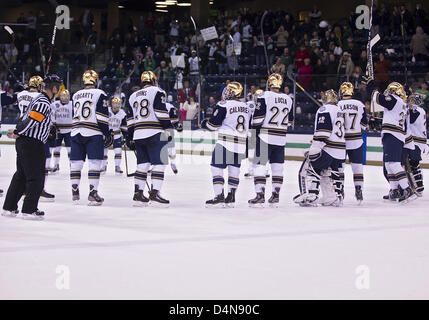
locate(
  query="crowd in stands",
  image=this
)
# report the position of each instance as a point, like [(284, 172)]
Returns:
[(320, 54)]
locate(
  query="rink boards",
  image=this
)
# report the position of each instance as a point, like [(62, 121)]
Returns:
[(201, 142)]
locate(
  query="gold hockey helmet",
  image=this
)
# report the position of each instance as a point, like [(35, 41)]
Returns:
[(148, 77), (398, 89), (416, 99), (90, 77), (116, 103), (346, 89), (257, 94), (64, 96), (35, 82), (329, 97), (232, 90), (275, 81)]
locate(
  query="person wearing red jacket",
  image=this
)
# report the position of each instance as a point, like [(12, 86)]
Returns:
[(305, 74), (185, 93), (300, 56)]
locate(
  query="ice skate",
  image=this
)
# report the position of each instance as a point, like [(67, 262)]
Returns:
[(306, 200), (46, 197), (393, 195), (10, 213), (156, 200), (139, 200), (118, 170), (407, 195), (174, 168), (358, 194), (230, 198), (36, 215), (273, 201), (93, 197), (75, 193), (258, 201), (217, 202)]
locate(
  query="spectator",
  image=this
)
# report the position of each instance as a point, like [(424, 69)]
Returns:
[(279, 67), (381, 70), (282, 36), (86, 20), (319, 75), (424, 90), (345, 67), (300, 56), (247, 35), (174, 30), (363, 60), (305, 74), (210, 108), (356, 77), (307, 27), (185, 93), (191, 108), (331, 71), (419, 45), (315, 39), (62, 66), (315, 15), (419, 16), (221, 58), (149, 64), (120, 73), (251, 93), (212, 58), (258, 47), (194, 66), (162, 73), (271, 53), (286, 58)]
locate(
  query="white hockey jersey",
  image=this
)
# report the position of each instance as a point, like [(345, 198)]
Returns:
[(355, 122), (148, 113), (329, 128), (62, 116), (409, 142), (273, 115), (232, 120), (90, 113), (418, 127), (24, 98), (394, 114), (117, 123)]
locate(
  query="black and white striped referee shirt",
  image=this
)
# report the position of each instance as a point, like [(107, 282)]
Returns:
[(36, 122)]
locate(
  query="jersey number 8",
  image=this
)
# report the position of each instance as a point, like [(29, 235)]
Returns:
[(241, 125), (144, 108)]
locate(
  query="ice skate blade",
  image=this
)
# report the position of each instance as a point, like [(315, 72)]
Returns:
[(273, 205), (95, 203), (215, 206), (303, 204), (408, 200), (229, 205), (9, 214), (42, 199), (29, 216), (256, 205), (155, 204), (118, 173), (359, 202), (139, 204)]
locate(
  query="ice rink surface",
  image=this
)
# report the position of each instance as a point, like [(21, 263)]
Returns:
[(117, 251)]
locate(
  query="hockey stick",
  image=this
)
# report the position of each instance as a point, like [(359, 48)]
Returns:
[(126, 164), (12, 34), (52, 48), (199, 70), (404, 50), (371, 42), (42, 57), (289, 75), (263, 41)]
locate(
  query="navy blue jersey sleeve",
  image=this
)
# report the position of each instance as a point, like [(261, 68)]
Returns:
[(6, 99), (102, 114), (387, 102), (260, 112), (161, 110), (173, 115), (364, 120), (130, 122), (414, 115), (216, 119)]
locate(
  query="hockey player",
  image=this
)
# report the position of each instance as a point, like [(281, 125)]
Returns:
[(62, 118), (393, 138), (24, 98), (271, 119), (325, 157), (252, 139), (174, 117), (355, 122), (5, 99), (117, 127), (90, 124), (147, 119), (418, 131), (231, 118)]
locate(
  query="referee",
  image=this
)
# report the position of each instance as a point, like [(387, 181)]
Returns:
[(31, 133)]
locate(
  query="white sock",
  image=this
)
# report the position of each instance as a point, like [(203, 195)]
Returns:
[(218, 180)]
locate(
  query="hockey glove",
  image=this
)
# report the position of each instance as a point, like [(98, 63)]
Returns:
[(108, 140), (178, 126), (130, 144), (52, 133), (203, 124)]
